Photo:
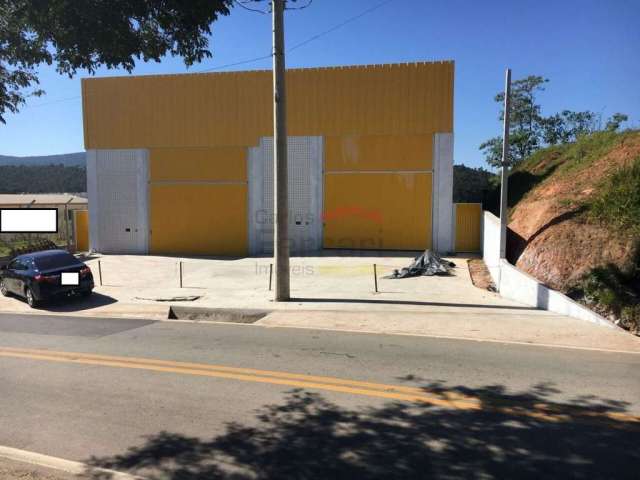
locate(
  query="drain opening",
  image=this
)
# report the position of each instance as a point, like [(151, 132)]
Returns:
[(233, 315)]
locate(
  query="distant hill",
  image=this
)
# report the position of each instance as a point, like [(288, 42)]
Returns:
[(472, 185), (77, 159), (42, 179)]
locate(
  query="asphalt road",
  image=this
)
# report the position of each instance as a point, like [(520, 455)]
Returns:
[(187, 400)]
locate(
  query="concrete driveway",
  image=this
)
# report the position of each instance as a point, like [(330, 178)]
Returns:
[(329, 292), (327, 282)]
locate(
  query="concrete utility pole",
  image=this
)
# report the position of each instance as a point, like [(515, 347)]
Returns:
[(505, 167), (280, 177)]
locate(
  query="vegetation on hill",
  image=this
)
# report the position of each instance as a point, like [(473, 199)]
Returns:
[(66, 159), (575, 221), (529, 130), (470, 185), (42, 179)]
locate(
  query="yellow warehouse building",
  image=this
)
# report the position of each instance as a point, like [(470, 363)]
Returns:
[(183, 164)]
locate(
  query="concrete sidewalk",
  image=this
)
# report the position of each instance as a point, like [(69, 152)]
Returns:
[(330, 293)]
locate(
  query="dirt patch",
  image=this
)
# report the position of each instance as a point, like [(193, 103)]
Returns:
[(480, 276), (564, 190), (550, 237), (564, 252)]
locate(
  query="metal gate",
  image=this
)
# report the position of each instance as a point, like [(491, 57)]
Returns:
[(117, 184), (305, 195), (468, 225)]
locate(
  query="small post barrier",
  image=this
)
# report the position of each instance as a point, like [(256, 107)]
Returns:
[(100, 272), (180, 262), (270, 274), (375, 277)]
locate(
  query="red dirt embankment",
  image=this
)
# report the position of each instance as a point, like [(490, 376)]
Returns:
[(552, 238)]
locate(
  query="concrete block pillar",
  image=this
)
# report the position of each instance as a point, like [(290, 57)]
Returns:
[(442, 218)]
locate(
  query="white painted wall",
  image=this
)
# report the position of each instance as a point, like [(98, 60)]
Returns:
[(442, 219), (117, 186), (491, 245), (92, 195), (519, 286), (305, 154)]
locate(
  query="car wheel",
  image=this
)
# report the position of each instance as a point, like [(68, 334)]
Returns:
[(3, 288), (31, 300)]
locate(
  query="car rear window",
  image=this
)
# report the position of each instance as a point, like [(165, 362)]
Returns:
[(55, 260)]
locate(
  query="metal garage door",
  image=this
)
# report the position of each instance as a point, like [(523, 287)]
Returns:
[(117, 187), (305, 195)]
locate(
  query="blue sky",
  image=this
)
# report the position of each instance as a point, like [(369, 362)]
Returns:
[(589, 49)]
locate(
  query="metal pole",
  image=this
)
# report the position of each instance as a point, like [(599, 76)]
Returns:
[(280, 187), (29, 234), (375, 277), (504, 178), (270, 274), (100, 272), (66, 225), (180, 273)]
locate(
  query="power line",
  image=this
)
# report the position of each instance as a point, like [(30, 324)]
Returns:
[(256, 10), (308, 40), (263, 57), (51, 102), (300, 8), (242, 62), (340, 25)]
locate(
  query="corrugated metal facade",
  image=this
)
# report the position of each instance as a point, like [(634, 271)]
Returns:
[(81, 222), (235, 108), (198, 200), (468, 227), (377, 122)]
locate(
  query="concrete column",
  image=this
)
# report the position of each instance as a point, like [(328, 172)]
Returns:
[(442, 218)]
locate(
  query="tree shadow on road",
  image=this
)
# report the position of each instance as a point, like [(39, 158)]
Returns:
[(490, 433)]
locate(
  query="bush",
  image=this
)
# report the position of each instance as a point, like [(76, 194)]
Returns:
[(630, 318), (613, 291), (618, 202)]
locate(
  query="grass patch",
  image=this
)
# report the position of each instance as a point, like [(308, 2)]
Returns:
[(559, 159), (618, 201), (587, 149)]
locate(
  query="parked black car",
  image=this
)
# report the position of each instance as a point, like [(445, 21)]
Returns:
[(37, 276)]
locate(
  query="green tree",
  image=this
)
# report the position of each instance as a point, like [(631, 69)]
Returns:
[(567, 126), (525, 122), (88, 34), (614, 122), (529, 130)]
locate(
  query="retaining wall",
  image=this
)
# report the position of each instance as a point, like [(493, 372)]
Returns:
[(514, 284)]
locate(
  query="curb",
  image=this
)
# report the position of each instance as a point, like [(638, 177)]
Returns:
[(60, 464)]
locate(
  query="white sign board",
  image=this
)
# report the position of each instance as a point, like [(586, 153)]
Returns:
[(28, 220)]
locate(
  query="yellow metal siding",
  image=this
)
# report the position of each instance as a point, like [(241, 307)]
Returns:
[(468, 227), (81, 221), (198, 127), (378, 152), (198, 164), (377, 211), (198, 219), (235, 108)]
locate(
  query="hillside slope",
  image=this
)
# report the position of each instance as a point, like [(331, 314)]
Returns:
[(575, 210)]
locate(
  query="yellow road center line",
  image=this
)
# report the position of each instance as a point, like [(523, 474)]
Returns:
[(542, 411), (235, 376), (241, 370)]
